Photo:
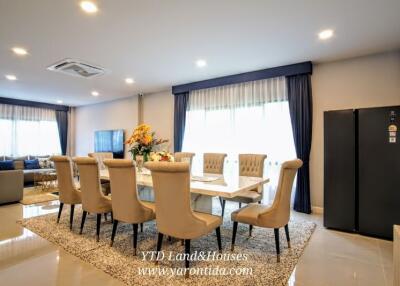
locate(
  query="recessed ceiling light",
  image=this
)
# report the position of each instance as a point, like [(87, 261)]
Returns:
[(88, 7), (95, 93), (59, 101), (201, 63), (129, 80), (11, 77), (19, 51), (325, 34)]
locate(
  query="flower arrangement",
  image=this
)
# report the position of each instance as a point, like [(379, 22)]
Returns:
[(162, 156), (142, 141)]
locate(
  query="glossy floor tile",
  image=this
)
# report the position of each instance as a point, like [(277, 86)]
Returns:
[(339, 258), (330, 258)]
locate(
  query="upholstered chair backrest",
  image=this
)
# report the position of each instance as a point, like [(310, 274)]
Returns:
[(213, 163), (171, 184), (126, 204), (251, 165), (178, 156), (66, 186), (92, 196), (100, 157), (279, 213)]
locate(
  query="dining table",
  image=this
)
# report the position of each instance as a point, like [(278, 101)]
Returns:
[(203, 186)]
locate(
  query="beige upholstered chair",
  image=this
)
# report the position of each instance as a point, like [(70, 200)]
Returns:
[(181, 156), (250, 165), (68, 192), (175, 217), (100, 157), (126, 205), (93, 200), (275, 216), (213, 163)]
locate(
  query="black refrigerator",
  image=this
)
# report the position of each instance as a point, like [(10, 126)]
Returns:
[(362, 170)]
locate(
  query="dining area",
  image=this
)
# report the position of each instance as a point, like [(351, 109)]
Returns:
[(180, 205)]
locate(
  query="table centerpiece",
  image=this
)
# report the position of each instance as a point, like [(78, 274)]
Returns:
[(142, 143)]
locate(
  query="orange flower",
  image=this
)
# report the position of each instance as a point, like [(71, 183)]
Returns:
[(147, 139)]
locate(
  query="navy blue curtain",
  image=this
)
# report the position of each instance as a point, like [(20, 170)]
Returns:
[(300, 106), (62, 122), (181, 101)]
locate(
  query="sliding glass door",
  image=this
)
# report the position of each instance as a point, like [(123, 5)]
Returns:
[(259, 126)]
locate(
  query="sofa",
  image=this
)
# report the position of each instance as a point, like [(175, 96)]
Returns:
[(11, 186), (29, 174)]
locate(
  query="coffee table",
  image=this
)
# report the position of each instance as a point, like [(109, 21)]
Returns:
[(45, 180)]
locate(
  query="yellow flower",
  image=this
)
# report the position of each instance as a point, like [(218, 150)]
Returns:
[(147, 139), (143, 128)]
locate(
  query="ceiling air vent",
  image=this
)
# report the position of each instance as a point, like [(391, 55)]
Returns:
[(77, 68)]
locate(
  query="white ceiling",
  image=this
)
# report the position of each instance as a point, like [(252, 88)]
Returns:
[(157, 42)]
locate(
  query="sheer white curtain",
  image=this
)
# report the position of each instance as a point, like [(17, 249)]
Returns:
[(250, 117), (28, 131)]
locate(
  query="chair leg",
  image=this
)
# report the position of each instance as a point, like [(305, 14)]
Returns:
[(83, 221), (218, 231), (250, 229), (240, 205), (112, 216), (114, 231), (159, 243), (105, 216), (278, 252), (141, 227), (59, 212), (187, 254), (98, 227), (287, 235), (222, 202), (71, 216), (235, 225), (135, 231)]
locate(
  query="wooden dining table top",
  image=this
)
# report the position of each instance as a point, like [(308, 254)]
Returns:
[(226, 186)]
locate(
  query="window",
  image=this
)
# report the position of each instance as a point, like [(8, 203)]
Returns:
[(28, 131), (241, 119)]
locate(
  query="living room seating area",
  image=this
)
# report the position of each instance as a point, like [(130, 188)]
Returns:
[(17, 172)]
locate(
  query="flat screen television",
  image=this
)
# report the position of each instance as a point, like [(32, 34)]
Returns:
[(110, 141)]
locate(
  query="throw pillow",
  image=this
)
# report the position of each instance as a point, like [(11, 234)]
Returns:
[(31, 164), (6, 165), (45, 163)]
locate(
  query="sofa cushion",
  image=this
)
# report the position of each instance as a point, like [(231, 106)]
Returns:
[(45, 163), (19, 165), (22, 158), (29, 174), (32, 171), (7, 165), (31, 164)]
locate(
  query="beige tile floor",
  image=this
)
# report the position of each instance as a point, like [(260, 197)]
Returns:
[(331, 257)]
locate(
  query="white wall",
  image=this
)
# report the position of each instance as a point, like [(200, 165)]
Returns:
[(158, 111), (360, 82), (119, 114)]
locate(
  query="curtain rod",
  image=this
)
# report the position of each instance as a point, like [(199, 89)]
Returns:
[(12, 101), (288, 70)]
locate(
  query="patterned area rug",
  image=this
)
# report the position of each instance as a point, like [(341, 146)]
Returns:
[(253, 262), (34, 196)]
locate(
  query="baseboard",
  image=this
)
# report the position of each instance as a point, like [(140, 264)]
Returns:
[(317, 210)]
